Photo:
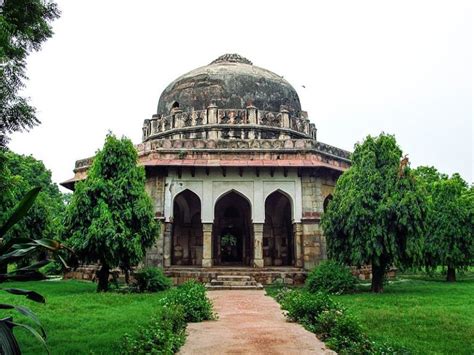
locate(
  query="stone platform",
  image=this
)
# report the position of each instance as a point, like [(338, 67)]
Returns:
[(265, 276)]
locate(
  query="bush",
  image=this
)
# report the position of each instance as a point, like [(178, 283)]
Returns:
[(52, 269), (191, 295), (305, 307), (151, 279), (331, 322), (331, 277), (164, 334)]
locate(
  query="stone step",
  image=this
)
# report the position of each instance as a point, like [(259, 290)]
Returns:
[(210, 287), (234, 278), (232, 283)]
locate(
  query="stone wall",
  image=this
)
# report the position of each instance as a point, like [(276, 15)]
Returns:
[(316, 186)]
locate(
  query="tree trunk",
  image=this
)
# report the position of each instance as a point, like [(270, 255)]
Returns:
[(451, 275), (103, 278), (127, 275), (378, 273)]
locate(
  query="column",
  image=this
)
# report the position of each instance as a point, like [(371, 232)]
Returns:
[(167, 240), (297, 237), (206, 244), (258, 245)]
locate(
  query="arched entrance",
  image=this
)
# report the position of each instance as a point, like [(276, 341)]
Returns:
[(232, 230), (187, 230), (278, 244)]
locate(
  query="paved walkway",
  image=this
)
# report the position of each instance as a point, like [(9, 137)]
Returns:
[(249, 323)]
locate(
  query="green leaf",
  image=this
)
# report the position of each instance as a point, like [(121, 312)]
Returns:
[(32, 331), (31, 295), (27, 313), (21, 210)]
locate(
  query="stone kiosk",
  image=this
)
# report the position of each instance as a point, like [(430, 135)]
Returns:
[(236, 174)]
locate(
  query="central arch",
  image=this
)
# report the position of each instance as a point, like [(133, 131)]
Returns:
[(232, 230)]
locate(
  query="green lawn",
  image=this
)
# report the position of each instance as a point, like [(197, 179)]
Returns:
[(426, 316), (78, 320)]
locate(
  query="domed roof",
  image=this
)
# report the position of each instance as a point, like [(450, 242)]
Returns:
[(230, 81)]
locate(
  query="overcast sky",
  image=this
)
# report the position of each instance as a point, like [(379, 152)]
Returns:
[(402, 67)]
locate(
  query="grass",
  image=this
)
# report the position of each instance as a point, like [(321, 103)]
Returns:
[(425, 315), (78, 320)]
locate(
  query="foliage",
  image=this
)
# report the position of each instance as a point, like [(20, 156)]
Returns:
[(377, 212), (449, 238), (318, 313), (110, 218), (228, 240), (14, 250), (24, 26), (332, 277), (191, 295), (19, 174), (164, 334), (53, 268), (151, 279)]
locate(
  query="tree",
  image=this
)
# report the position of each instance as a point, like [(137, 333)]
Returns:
[(18, 175), (449, 238), (377, 212), (24, 26), (110, 217)]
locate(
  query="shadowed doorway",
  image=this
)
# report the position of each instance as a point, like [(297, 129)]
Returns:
[(232, 230)]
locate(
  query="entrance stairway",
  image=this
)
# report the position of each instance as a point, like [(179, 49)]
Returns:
[(233, 282)]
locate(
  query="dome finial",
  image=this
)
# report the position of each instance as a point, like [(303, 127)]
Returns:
[(231, 58)]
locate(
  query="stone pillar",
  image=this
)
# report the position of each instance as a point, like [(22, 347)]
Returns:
[(285, 118), (206, 244), (252, 114), (212, 119), (167, 241), (297, 237), (258, 245)]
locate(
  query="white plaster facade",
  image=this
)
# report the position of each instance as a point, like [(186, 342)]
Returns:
[(210, 188)]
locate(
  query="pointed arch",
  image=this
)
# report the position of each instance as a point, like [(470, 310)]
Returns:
[(232, 218), (288, 196), (326, 202), (278, 239), (187, 229)]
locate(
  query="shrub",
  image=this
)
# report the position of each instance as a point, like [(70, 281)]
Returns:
[(191, 295), (331, 322), (342, 332), (151, 279), (164, 334), (52, 269), (331, 277), (305, 307)]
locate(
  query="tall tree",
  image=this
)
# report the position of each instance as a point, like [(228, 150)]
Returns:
[(449, 239), (24, 26), (377, 212), (19, 174), (110, 218)]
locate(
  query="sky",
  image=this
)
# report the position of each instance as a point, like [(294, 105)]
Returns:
[(359, 67)]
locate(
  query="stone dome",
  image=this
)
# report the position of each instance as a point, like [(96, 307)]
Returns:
[(230, 82)]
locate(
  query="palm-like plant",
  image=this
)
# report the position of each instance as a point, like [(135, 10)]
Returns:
[(13, 251)]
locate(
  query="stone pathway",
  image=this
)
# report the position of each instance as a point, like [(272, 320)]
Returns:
[(249, 323)]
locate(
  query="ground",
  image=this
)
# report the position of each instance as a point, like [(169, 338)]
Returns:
[(249, 323), (427, 316)]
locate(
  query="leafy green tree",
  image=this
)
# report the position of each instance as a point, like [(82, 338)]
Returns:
[(24, 26), (110, 218), (19, 174), (377, 212), (449, 239)]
